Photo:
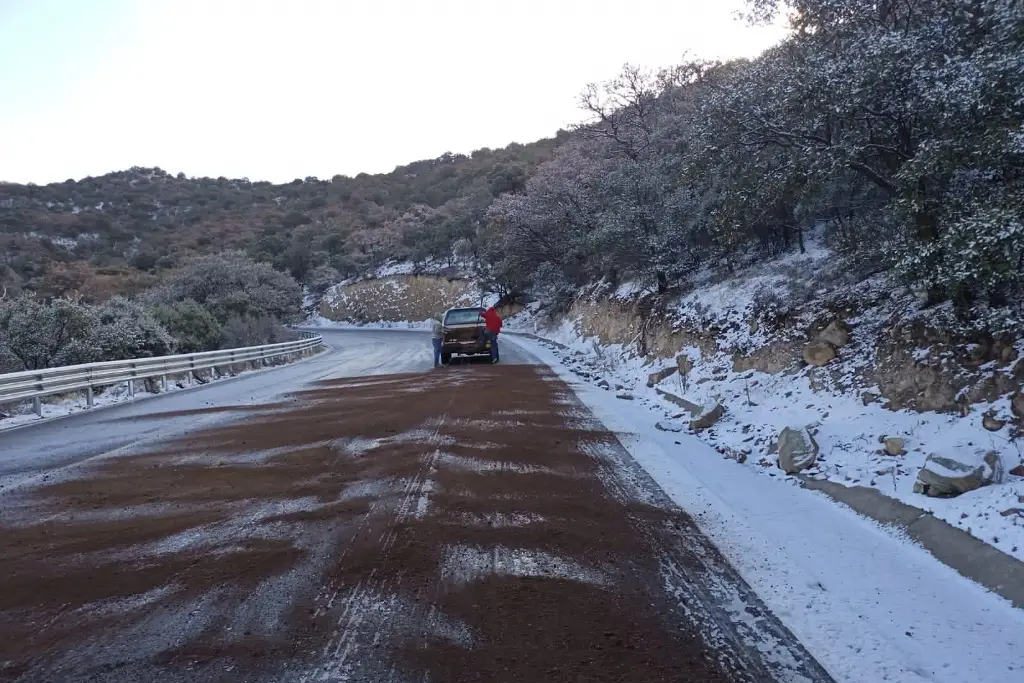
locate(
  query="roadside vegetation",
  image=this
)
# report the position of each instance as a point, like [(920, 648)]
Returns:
[(211, 302)]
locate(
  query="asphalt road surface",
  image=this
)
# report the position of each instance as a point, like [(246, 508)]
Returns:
[(361, 516)]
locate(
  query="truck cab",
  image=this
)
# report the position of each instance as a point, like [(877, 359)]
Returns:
[(462, 333)]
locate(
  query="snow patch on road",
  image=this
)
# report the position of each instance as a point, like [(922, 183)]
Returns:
[(499, 520), (465, 563), (484, 465), (486, 425), (222, 536)]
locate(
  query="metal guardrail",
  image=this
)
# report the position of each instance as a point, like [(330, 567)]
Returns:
[(36, 384)]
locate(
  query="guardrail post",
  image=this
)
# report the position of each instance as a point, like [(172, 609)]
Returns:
[(163, 382), (88, 391), (37, 405)]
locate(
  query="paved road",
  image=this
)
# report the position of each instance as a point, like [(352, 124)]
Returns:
[(39, 448), (364, 518)]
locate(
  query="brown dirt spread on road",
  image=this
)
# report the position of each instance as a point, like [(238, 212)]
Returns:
[(458, 525)]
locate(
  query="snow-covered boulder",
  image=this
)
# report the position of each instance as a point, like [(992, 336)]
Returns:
[(946, 475), (672, 425), (894, 445), (709, 414), (797, 449)]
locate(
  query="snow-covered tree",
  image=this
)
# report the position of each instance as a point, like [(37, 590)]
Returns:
[(232, 285), (36, 335), (125, 329)]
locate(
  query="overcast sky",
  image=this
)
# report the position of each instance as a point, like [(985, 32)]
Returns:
[(280, 89)]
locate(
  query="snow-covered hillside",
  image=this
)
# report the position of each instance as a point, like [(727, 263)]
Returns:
[(879, 400)]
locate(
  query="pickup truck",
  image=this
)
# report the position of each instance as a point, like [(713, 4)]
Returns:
[(462, 333)]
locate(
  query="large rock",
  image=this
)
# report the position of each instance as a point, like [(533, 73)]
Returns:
[(673, 425), (837, 334), (992, 423), (797, 449), (944, 475), (819, 353), (660, 375), (894, 445), (708, 416), (688, 406), (1017, 404)]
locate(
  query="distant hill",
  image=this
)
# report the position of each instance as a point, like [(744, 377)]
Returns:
[(116, 233)]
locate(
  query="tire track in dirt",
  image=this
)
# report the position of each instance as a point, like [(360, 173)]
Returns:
[(346, 643), (466, 524)]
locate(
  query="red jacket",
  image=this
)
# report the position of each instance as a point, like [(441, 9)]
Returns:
[(492, 321)]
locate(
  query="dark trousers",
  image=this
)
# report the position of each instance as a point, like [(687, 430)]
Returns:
[(437, 351), (493, 338)]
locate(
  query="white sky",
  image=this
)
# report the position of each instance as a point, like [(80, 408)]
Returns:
[(275, 90)]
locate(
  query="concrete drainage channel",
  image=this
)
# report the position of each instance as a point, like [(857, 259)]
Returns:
[(971, 558)]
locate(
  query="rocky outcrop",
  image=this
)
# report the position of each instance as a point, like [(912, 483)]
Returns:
[(819, 353), (825, 347), (398, 298), (891, 362), (944, 475), (837, 334), (797, 449)]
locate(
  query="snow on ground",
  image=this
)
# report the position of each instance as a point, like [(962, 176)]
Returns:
[(759, 405), (869, 605)]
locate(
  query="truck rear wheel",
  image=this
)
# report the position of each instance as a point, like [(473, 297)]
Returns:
[(446, 358)]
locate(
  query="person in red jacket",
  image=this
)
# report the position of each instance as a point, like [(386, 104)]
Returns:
[(492, 326)]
